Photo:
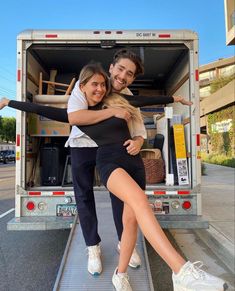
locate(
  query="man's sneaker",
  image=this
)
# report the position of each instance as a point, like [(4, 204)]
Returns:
[(192, 278), (135, 261), (121, 281), (94, 260)]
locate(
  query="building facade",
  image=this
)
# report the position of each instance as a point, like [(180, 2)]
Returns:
[(217, 97), (229, 8)]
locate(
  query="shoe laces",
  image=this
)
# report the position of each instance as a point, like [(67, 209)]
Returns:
[(93, 252), (195, 270), (124, 280)]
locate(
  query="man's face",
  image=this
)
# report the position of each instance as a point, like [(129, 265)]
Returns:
[(122, 74)]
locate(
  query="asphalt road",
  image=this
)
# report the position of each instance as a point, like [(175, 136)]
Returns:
[(29, 260)]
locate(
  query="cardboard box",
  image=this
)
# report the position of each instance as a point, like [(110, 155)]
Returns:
[(42, 126)]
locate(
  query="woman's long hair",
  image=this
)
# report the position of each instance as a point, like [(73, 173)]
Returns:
[(117, 101)]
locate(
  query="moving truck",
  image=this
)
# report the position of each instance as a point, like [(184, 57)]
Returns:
[(47, 62)]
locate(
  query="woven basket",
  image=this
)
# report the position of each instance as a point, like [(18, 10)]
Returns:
[(154, 165)]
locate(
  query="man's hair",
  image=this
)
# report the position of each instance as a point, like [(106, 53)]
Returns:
[(127, 54)]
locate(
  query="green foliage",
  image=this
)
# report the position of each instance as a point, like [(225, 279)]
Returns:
[(8, 129), (219, 160), (222, 142), (220, 82)]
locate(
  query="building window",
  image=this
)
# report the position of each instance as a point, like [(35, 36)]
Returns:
[(209, 75), (227, 71), (204, 92)]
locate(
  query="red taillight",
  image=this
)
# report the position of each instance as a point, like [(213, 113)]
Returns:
[(186, 205), (164, 35), (196, 75), (58, 193), (17, 140), (33, 193), (51, 35), (183, 192), (30, 205), (18, 75), (198, 139)]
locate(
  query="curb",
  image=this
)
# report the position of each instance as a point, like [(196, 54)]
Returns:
[(219, 244)]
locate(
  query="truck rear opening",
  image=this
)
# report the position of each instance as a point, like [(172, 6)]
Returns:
[(44, 192)]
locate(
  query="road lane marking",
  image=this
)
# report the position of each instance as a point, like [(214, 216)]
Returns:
[(7, 212)]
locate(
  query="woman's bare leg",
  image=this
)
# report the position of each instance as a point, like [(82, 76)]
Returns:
[(126, 189), (129, 236)]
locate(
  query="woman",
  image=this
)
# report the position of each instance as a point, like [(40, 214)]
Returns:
[(60, 114), (122, 174)]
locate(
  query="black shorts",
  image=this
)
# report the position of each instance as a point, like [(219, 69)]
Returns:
[(111, 157)]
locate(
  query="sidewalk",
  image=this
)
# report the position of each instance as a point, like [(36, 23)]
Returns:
[(218, 208)]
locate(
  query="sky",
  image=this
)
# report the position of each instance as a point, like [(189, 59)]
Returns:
[(206, 17)]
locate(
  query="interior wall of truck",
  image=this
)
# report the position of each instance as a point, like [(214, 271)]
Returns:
[(166, 73)]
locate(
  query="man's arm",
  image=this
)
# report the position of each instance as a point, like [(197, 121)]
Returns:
[(140, 101), (133, 146), (138, 134)]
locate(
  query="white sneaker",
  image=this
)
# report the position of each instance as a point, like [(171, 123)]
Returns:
[(192, 278), (135, 261), (121, 281), (94, 260)]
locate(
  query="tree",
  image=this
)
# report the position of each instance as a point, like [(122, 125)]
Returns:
[(8, 129)]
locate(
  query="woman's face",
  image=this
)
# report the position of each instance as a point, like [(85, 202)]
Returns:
[(94, 90)]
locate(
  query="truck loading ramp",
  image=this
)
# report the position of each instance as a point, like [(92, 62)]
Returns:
[(73, 274)]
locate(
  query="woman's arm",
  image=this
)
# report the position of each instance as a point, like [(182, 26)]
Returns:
[(80, 117), (54, 113)]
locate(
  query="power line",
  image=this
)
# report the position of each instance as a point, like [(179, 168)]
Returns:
[(7, 88), (5, 70), (3, 77), (13, 76), (7, 91)]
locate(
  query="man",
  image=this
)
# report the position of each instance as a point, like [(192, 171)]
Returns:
[(125, 67)]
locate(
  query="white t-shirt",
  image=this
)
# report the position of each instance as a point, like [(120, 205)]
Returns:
[(77, 138)]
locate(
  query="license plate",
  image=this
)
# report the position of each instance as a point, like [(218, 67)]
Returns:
[(66, 210)]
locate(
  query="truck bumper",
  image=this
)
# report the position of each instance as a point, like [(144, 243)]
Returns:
[(40, 223), (47, 223), (182, 221)]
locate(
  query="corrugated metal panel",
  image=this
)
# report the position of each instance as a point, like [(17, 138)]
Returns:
[(74, 274)]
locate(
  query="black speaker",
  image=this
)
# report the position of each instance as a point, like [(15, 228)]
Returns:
[(52, 159)]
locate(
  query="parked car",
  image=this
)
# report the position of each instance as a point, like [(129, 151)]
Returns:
[(7, 156)]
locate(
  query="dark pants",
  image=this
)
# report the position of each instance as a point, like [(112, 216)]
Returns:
[(83, 162)]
